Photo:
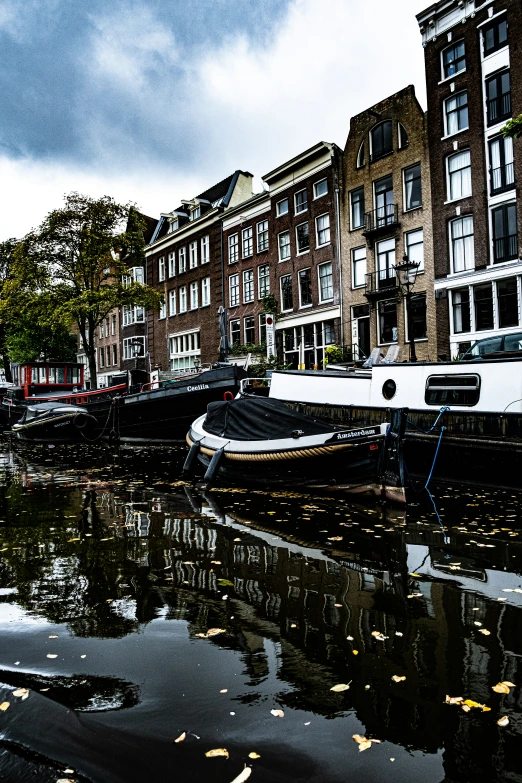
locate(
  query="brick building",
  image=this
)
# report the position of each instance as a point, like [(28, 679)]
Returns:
[(473, 60), (184, 262), (385, 215), (304, 253)]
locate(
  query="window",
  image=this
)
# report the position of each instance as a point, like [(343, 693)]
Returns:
[(287, 302), (418, 317), (505, 243), (456, 113), (403, 136), (115, 354), (303, 238), (163, 310), (250, 329), (320, 188), (459, 175), (235, 332), (452, 390), (205, 291), (173, 224), (498, 98), (305, 288), (495, 35), (453, 59), (461, 310), (462, 244), (360, 156), (194, 295), (507, 300), (414, 245), (381, 140), (172, 264), (113, 325), (205, 249), (172, 302), (322, 228), (133, 347), (102, 358), (183, 299), (263, 280), (284, 245), (132, 315), (233, 248), (262, 236), (387, 321), (248, 285), (384, 201), (357, 208), (161, 269), (233, 287), (412, 187), (358, 266), (282, 207), (385, 263), (182, 260), (108, 352), (193, 255), (183, 350), (501, 164), (325, 281), (195, 213), (301, 202), (262, 328), (483, 298), (248, 242), (134, 275)]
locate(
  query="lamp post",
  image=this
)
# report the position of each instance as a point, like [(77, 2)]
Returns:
[(406, 273)]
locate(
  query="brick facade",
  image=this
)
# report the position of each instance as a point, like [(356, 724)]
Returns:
[(386, 213)]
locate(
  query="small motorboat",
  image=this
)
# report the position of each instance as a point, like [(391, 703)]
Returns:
[(51, 422), (258, 440)]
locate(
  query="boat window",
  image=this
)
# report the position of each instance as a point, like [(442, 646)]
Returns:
[(42, 375), (389, 388), (513, 342), (452, 390), (75, 374), (60, 375), (52, 374), (34, 374)]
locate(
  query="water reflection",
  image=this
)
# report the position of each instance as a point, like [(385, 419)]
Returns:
[(309, 592)]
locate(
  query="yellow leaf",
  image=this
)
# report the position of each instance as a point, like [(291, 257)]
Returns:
[(500, 687), (414, 574), (211, 754), (254, 756), (277, 713), (5, 706), (21, 692), (364, 745), (509, 684), (355, 652), (453, 699), (503, 721), (358, 738), (465, 707), (54, 636), (396, 678), (485, 631), (181, 737), (486, 709), (243, 775), (471, 703), (339, 688)]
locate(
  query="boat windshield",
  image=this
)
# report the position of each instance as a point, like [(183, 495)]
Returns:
[(483, 347)]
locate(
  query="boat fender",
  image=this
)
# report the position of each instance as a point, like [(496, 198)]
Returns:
[(80, 420), (228, 396), (191, 457), (214, 466), (297, 434)]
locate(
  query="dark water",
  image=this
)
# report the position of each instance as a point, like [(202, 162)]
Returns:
[(129, 568)]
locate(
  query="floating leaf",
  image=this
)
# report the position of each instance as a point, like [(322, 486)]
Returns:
[(398, 633), (500, 687), (277, 713), (465, 707), (363, 742), (485, 631), (181, 737), (51, 655), (476, 622), (339, 688), (350, 638), (65, 780), (243, 775), (509, 684), (53, 636), (396, 678), (5, 705), (224, 690), (414, 574), (254, 756), (211, 754), (453, 699), (503, 721), (355, 652), (22, 693), (215, 631)]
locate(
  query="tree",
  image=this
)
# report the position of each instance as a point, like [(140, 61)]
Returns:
[(513, 128), (27, 341), (7, 249), (71, 268)]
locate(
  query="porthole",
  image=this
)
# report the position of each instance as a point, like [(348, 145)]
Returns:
[(389, 388)]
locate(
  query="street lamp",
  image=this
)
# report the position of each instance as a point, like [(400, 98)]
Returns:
[(406, 273)]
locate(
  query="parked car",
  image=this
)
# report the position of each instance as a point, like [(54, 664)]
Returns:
[(502, 344)]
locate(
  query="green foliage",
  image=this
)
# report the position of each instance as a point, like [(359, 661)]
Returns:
[(513, 128), (333, 354), (242, 349), (27, 341), (259, 368), (270, 304)]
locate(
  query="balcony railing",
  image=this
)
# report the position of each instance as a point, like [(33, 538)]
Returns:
[(383, 282), (506, 248), (502, 178), (381, 219)]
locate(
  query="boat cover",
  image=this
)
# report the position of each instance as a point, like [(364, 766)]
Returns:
[(260, 418)]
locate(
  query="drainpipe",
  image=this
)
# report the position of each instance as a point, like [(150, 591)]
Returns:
[(339, 259)]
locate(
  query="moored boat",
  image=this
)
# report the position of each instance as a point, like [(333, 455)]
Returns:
[(51, 422), (256, 440)]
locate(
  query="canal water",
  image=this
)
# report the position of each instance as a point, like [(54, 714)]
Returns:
[(137, 609)]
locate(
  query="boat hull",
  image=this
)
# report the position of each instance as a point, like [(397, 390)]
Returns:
[(65, 428)]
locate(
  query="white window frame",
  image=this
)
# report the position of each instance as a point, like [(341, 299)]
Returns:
[(235, 321), (172, 302), (290, 309), (183, 299), (194, 295), (136, 274), (319, 266), (262, 234), (448, 176), (162, 311), (443, 78), (264, 277), (205, 292), (316, 185), (193, 254), (407, 235), (297, 251), (279, 246), (182, 260), (183, 348), (233, 284), (205, 249), (301, 305), (248, 283), (305, 209), (252, 342), (279, 213), (359, 260), (172, 264), (328, 228), (161, 269), (129, 343), (233, 248), (247, 242), (453, 95), (132, 314), (195, 212)]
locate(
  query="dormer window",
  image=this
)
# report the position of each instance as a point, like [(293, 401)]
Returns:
[(195, 213), (381, 140), (174, 225)]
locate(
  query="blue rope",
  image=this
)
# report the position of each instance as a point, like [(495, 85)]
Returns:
[(435, 457), (446, 537), (427, 432)]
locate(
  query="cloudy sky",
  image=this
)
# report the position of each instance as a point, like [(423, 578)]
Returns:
[(152, 101)]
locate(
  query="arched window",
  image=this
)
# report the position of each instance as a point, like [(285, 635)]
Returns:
[(403, 136), (381, 140), (360, 156)]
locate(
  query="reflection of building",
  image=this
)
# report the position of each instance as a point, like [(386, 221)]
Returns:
[(473, 65), (387, 214)]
